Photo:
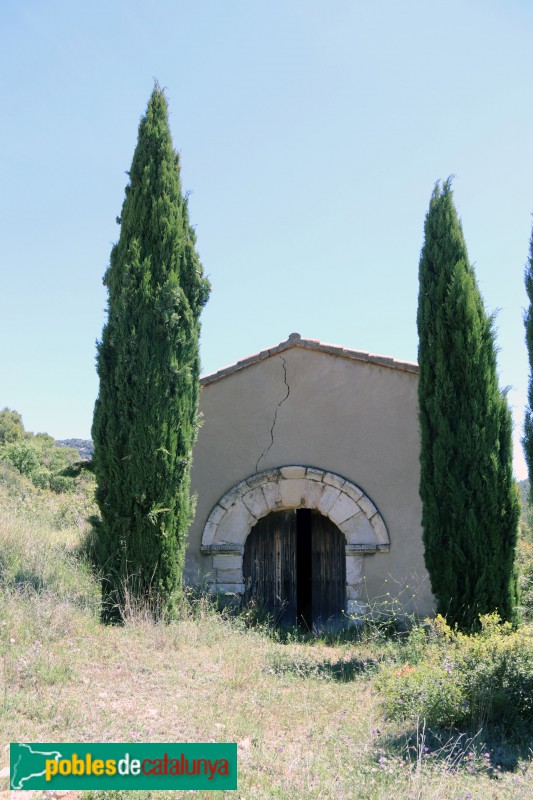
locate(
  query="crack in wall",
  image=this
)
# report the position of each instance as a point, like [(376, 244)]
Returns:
[(265, 451)]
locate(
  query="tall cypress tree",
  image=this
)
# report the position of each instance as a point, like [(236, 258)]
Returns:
[(527, 441), (469, 501), (145, 417)]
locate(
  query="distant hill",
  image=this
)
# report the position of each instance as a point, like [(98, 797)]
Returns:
[(85, 447)]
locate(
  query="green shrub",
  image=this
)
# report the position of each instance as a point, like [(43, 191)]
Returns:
[(473, 680), (23, 455), (426, 691), (40, 478), (496, 669), (39, 459), (60, 484)]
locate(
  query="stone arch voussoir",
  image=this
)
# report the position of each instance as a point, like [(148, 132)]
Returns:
[(344, 503)]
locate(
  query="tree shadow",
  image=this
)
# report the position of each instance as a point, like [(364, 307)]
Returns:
[(304, 667)]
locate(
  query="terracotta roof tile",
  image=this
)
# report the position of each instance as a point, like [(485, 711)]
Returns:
[(295, 340)]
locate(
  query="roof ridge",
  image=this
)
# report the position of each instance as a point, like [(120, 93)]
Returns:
[(295, 340)]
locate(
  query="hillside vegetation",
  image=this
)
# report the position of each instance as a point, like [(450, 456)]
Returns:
[(430, 714)]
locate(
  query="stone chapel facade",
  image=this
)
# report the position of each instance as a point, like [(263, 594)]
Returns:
[(306, 472)]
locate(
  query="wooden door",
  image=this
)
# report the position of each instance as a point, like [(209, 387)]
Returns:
[(269, 566), (294, 567), (328, 570)]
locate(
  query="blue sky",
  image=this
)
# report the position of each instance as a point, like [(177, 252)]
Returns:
[(311, 135)]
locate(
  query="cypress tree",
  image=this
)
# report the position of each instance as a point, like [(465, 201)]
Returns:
[(527, 441), (469, 501), (145, 417)]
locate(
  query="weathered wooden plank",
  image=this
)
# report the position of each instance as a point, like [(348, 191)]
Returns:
[(328, 570), (269, 566)]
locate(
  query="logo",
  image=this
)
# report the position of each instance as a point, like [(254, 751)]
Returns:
[(83, 767)]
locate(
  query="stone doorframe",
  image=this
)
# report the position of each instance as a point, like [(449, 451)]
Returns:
[(291, 487)]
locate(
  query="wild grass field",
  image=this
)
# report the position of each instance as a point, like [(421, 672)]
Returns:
[(381, 714)]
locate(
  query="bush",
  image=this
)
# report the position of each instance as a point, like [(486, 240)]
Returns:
[(24, 456), (39, 459), (40, 477), (425, 691), (60, 484), (496, 670), (473, 680)]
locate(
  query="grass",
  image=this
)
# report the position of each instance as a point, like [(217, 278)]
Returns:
[(305, 712)]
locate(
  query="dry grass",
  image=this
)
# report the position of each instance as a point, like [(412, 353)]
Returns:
[(305, 716)]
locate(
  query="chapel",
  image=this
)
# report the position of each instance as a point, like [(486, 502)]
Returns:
[(306, 472)]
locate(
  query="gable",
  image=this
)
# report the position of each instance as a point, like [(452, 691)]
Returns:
[(295, 340)]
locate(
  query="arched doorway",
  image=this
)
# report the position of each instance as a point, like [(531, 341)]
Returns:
[(293, 488), (294, 567)]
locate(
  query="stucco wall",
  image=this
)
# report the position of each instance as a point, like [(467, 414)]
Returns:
[(355, 419)]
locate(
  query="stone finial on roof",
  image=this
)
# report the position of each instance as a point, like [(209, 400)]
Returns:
[(294, 337)]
